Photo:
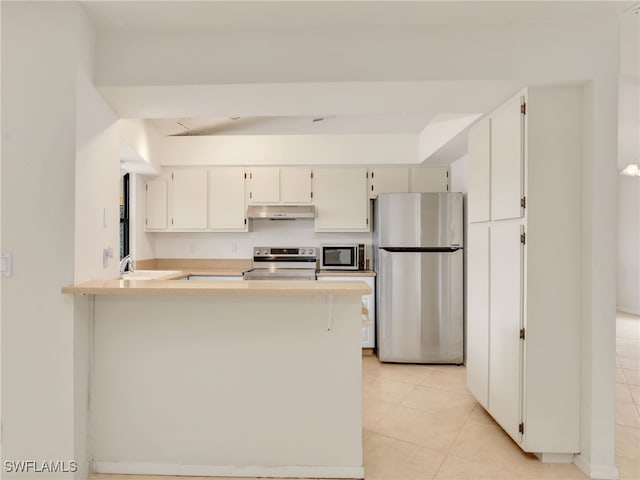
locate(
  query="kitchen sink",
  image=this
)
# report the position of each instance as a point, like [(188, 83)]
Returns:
[(149, 274)]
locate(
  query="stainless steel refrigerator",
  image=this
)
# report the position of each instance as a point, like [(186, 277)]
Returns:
[(418, 258)]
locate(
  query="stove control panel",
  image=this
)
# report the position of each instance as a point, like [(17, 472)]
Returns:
[(284, 252)]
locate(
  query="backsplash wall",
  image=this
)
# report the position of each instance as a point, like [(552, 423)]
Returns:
[(264, 233)]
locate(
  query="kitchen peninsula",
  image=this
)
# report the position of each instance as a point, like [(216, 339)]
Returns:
[(252, 378)]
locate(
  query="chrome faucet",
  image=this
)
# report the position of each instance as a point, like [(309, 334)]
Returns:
[(126, 262)]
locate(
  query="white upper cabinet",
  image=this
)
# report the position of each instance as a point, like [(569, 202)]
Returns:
[(226, 199), (156, 201), (188, 196), (388, 180), (342, 203), (295, 185), (269, 185), (429, 179), (479, 204), (507, 160), (263, 184)]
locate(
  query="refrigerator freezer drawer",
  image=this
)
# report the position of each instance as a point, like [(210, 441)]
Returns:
[(420, 307)]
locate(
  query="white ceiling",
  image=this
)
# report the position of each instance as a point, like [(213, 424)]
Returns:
[(255, 16), (295, 125)]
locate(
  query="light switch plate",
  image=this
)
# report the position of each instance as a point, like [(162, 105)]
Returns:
[(5, 264)]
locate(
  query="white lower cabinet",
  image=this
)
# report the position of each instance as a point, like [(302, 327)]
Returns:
[(369, 301)]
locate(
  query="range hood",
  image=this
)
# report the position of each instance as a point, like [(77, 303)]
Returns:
[(281, 212)]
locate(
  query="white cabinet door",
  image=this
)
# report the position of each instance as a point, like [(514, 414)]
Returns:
[(156, 201), (295, 185), (226, 199), (505, 364), (478, 312), (480, 171), (369, 301), (507, 160), (429, 179), (388, 180), (264, 185), (342, 203), (189, 199)]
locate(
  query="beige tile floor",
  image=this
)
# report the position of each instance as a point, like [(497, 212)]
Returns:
[(420, 422)]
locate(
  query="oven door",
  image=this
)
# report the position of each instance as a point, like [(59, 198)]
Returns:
[(280, 274)]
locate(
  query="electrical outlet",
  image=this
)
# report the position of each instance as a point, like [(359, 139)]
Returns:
[(5, 264)]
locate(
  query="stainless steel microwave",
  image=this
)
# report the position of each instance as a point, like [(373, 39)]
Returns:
[(342, 257)]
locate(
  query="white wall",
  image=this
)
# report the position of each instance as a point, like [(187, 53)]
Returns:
[(628, 264), (263, 232), (629, 244), (289, 149), (43, 45), (143, 138), (97, 185)]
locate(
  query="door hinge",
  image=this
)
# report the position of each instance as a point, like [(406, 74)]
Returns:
[(311, 194), (245, 221), (146, 221), (250, 176), (522, 334), (250, 194), (367, 221), (447, 187), (146, 187), (521, 428), (172, 221), (523, 108), (372, 175), (311, 175), (367, 174), (245, 175), (523, 202), (447, 173), (523, 238), (172, 176), (372, 188)]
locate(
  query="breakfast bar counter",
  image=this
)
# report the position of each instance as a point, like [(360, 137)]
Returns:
[(214, 378)]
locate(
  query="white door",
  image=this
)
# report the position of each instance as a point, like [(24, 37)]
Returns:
[(478, 311), (226, 199), (189, 199), (342, 203), (429, 179), (505, 346), (295, 185), (156, 201), (388, 180), (264, 185), (507, 160), (480, 171)]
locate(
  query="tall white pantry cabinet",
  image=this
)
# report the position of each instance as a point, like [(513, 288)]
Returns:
[(524, 264)]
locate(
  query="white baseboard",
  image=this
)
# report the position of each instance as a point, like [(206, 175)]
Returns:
[(632, 311), (596, 472), (555, 457), (228, 470)]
